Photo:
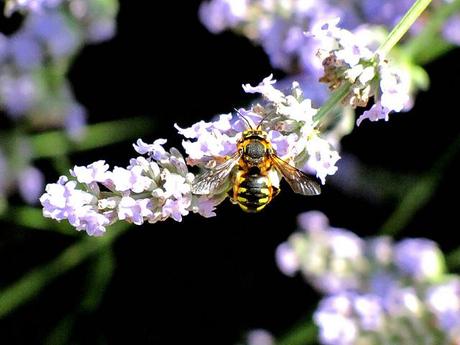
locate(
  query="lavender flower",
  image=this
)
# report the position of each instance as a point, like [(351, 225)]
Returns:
[(377, 291), (346, 56), (387, 12), (159, 186), (259, 337), (349, 57), (399, 318), (421, 259), (221, 14), (331, 259), (444, 302), (75, 121), (31, 184), (276, 25), (25, 51), (149, 190), (335, 260), (52, 33), (451, 29), (289, 121), (30, 5), (61, 38), (18, 93)]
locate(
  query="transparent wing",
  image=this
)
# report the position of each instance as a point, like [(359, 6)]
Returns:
[(299, 181), (211, 180)]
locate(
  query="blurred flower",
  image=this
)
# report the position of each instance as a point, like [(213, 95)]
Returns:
[(387, 12), (444, 302), (33, 66), (332, 318), (30, 5), (377, 291), (221, 14), (24, 50), (31, 183), (421, 259), (351, 318), (287, 260), (334, 259), (60, 37), (75, 121), (52, 33), (18, 93), (259, 337), (277, 26), (451, 29), (331, 259)]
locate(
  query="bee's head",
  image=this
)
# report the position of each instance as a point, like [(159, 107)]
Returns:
[(254, 134)]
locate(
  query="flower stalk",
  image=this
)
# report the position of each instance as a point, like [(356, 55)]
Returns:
[(391, 40), (402, 27)]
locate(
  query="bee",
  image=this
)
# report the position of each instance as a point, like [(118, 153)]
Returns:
[(252, 187)]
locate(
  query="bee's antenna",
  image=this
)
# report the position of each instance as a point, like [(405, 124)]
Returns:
[(263, 119), (245, 119)]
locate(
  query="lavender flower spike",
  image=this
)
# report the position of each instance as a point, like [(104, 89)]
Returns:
[(150, 189), (288, 120), (29, 5), (349, 57)]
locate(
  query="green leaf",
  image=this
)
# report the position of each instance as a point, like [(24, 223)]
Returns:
[(98, 279), (32, 218), (62, 332), (420, 193), (303, 334), (30, 285), (56, 143)]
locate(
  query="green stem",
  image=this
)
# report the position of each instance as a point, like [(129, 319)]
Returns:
[(416, 48), (420, 193), (98, 279), (57, 143), (453, 259), (336, 97), (32, 218), (30, 285), (393, 37), (402, 27), (303, 334), (417, 197)]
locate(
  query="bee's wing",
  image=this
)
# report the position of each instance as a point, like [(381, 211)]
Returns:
[(299, 181), (211, 180)]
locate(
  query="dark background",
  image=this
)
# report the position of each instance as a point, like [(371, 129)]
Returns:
[(208, 281)]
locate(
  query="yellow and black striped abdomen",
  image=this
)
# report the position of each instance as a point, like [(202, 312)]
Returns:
[(252, 191)]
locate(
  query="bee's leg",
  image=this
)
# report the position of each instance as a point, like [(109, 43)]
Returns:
[(230, 196), (276, 191)]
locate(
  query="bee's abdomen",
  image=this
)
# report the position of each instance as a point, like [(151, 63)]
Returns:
[(253, 192)]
